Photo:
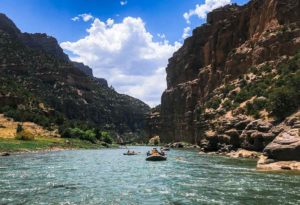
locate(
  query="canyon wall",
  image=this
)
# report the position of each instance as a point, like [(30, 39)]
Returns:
[(234, 40)]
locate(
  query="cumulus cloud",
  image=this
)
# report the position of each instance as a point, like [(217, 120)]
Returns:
[(123, 3), (126, 54), (84, 17), (161, 35), (202, 9), (110, 22), (186, 32)]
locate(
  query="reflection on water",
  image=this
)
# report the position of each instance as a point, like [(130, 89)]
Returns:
[(108, 177)]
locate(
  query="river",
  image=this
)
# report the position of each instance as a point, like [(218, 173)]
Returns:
[(107, 177)]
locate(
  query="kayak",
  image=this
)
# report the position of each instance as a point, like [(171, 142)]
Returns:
[(156, 158), (165, 149)]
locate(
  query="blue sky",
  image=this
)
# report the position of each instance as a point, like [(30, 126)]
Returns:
[(131, 49)]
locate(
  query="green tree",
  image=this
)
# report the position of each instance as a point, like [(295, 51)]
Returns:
[(106, 137), (284, 101), (19, 128)]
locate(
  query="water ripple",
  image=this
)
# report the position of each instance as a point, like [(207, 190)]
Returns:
[(108, 177)]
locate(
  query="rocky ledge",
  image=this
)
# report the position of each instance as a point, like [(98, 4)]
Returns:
[(283, 153), (276, 146), (265, 164)]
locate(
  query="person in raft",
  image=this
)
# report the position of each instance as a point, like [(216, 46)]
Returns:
[(130, 152), (154, 151)]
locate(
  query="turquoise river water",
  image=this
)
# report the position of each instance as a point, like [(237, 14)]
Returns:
[(107, 177)]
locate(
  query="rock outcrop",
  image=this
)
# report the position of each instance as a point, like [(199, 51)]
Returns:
[(283, 153), (41, 41), (266, 164), (285, 146), (85, 69), (234, 40)]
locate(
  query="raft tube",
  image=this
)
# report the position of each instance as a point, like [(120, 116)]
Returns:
[(156, 158)]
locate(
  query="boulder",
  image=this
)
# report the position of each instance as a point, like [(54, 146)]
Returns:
[(224, 148), (259, 125), (266, 164), (177, 145), (277, 130), (285, 146), (296, 125), (234, 137), (294, 119), (242, 124), (242, 153)]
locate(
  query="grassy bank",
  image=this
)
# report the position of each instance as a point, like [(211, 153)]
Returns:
[(40, 144)]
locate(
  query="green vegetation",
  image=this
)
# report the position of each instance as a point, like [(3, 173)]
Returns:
[(277, 90), (39, 87), (92, 135), (105, 137), (227, 88), (214, 103), (228, 105), (253, 108), (281, 91), (32, 115), (19, 128), (25, 135), (284, 101), (42, 143)]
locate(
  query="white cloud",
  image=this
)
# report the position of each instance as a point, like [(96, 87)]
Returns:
[(123, 3), (84, 17), (186, 32), (110, 22), (126, 55), (161, 35), (202, 9), (76, 18)]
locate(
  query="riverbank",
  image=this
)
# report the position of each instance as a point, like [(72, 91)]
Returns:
[(41, 144), (264, 164)]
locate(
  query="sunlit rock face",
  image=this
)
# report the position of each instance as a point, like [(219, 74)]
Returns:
[(234, 39)]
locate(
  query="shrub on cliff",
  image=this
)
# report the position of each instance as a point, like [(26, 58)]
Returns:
[(284, 101), (214, 103), (228, 105), (250, 109), (285, 95), (242, 96), (227, 88), (291, 66)]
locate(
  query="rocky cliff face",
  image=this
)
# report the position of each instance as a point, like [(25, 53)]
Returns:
[(39, 83), (220, 54), (41, 41), (87, 70)]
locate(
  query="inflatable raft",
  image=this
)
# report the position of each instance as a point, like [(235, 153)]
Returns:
[(156, 157)]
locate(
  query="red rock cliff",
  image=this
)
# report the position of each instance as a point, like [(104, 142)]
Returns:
[(234, 39)]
